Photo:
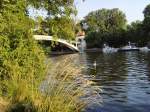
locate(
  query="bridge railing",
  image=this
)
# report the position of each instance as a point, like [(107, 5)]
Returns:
[(50, 38)]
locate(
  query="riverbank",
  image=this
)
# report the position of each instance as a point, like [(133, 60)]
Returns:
[(61, 53), (90, 93), (93, 50)]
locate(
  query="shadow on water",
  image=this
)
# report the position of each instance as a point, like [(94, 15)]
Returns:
[(123, 77)]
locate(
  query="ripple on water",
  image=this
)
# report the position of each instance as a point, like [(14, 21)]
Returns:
[(124, 79)]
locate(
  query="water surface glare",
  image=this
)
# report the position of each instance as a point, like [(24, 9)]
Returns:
[(123, 77)]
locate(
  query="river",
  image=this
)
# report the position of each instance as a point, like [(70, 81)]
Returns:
[(124, 79)]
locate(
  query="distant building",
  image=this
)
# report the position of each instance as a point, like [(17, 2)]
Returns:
[(81, 33)]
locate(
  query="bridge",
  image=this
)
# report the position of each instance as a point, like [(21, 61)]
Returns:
[(62, 41)]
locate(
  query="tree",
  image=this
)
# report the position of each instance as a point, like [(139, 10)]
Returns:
[(19, 53), (146, 11), (59, 21), (107, 22), (135, 33), (22, 60), (146, 22), (61, 27)]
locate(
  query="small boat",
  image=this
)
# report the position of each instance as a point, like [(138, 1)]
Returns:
[(107, 49), (144, 49), (129, 47)]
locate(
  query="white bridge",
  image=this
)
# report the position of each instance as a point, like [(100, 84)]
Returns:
[(50, 38)]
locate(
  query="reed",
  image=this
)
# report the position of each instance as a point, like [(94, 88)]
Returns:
[(57, 93)]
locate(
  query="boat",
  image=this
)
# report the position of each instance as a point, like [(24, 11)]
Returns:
[(107, 49), (144, 49), (129, 47)]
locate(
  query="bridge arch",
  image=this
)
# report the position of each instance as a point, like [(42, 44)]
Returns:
[(62, 41)]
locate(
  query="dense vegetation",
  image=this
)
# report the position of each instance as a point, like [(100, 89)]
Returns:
[(22, 61), (59, 21), (110, 26)]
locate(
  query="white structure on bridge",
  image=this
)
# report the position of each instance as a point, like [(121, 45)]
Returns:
[(50, 38), (81, 43)]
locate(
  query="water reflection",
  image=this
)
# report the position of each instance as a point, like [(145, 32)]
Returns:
[(123, 77)]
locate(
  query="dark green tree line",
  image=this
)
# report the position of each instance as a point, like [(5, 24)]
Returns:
[(109, 26)]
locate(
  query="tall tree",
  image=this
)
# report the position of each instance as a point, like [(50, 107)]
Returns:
[(135, 33), (59, 19), (146, 11), (146, 22), (107, 22), (20, 55)]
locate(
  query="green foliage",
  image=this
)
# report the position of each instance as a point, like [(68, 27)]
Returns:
[(146, 22), (22, 61), (94, 39), (146, 11), (55, 7), (135, 33), (139, 31), (105, 20), (40, 26), (19, 54), (105, 26), (59, 22), (109, 26), (78, 28), (62, 27)]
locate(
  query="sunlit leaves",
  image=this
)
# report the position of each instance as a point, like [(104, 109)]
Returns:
[(106, 20), (19, 53)]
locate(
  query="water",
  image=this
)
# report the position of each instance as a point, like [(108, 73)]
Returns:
[(123, 77)]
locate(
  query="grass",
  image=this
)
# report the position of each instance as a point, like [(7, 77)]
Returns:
[(3, 105), (58, 93)]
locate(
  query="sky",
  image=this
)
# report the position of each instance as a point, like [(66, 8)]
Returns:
[(132, 8)]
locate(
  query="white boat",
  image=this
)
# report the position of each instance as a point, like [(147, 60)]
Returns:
[(144, 49), (107, 49), (129, 47)]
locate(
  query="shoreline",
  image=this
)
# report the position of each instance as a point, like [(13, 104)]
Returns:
[(93, 50)]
